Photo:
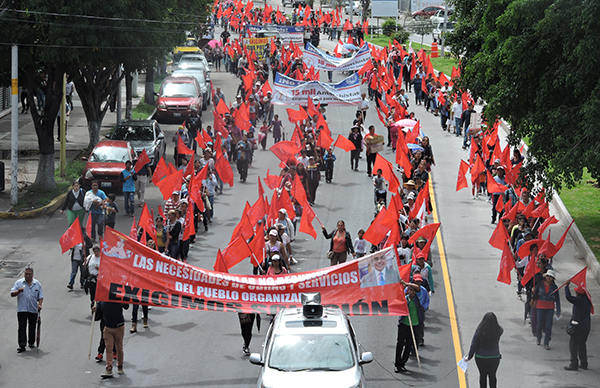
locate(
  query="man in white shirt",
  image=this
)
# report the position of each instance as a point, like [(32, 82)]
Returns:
[(457, 111), (303, 158), (364, 106)]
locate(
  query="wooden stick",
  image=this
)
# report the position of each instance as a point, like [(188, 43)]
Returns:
[(414, 340), (92, 335)]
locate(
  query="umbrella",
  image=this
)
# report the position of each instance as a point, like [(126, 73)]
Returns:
[(39, 329), (415, 147), (214, 43), (350, 46), (405, 123)]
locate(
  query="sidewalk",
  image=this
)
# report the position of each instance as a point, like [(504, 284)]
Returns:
[(77, 140)]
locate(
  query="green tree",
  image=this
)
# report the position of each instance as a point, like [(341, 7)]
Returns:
[(90, 40), (535, 62)]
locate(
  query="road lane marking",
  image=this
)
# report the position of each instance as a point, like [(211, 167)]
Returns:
[(449, 297)]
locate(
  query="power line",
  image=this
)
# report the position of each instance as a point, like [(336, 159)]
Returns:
[(104, 17), (87, 47)]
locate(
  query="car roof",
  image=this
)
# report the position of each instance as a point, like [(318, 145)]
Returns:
[(140, 123), (180, 80), (112, 143), (292, 321)]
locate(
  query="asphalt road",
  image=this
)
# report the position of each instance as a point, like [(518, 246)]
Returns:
[(188, 348)]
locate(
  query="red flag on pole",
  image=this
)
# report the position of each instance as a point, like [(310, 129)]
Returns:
[(507, 263), (344, 144), (72, 236), (377, 231), (499, 236), (160, 171), (546, 224), (236, 251), (560, 242), (182, 148), (257, 247), (142, 160), (170, 183), (306, 221), (88, 225), (133, 231), (462, 182), (220, 265), (147, 223), (494, 187)]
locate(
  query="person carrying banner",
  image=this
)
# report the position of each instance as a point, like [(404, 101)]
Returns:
[(407, 326), (581, 319), (30, 296)]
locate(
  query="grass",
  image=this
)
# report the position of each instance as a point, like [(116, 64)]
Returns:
[(441, 64), (142, 111), (73, 170), (36, 196), (583, 202)]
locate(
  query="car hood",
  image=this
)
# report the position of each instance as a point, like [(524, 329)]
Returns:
[(343, 379), (139, 145), (105, 168), (176, 100)]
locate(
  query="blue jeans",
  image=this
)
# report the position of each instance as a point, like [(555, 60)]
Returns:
[(75, 265), (457, 126), (466, 138), (129, 197), (97, 222), (211, 199), (544, 322), (172, 249)]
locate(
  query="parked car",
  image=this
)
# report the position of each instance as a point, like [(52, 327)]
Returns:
[(195, 61), (189, 46), (427, 12), (199, 74), (105, 163), (357, 7), (438, 17), (297, 3), (438, 31), (143, 135), (311, 346), (177, 97)]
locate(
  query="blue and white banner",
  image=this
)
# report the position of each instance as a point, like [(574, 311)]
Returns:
[(288, 33), (288, 91), (323, 61)]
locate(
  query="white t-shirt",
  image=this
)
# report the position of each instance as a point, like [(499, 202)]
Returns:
[(360, 245), (303, 160), (457, 109), (364, 104)]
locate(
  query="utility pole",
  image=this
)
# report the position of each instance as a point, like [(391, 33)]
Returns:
[(63, 127), (119, 95), (443, 37), (14, 126), (351, 10)]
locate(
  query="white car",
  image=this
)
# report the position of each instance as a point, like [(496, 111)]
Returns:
[(438, 31), (357, 8), (438, 17), (195, 61), (308, 345)]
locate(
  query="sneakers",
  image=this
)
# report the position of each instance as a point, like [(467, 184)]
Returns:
[(107, 374), (120, 370), (70, 286), (99, 357), (245, 350), (570, 367), (21, 349), (293, 261)]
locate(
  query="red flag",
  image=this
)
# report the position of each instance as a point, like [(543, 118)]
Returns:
[(306, 221), (242, 118), (541, 211), (494, 187), (477, 168), (298, 191), (257, 247), (312, 110), (500, 236), (285, 150), (420, 206), (244, 227), (296, 115), (160, 171), (525, 248), (530, 271), (189, 168), (507, 263), (512, 214), (72, 236), (546, 224), (257, 211), (324, 141), (133, 230), (462, 182), (182, 148), (161, 212), (170, 183), (261, 190), (366, 67), (189, 228), (221, 108), (560, 242), (236, 251), (147, 223), (88, 225), (344, 143), (387, 172), (429, 232), (272, 181), (220, 265), (200, 140), (222, 164), (377, 231), (500, 205), (579, 280), (286, 203), (266, 87), (142, 160)]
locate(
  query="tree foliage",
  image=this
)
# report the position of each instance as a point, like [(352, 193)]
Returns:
[(536, 64)]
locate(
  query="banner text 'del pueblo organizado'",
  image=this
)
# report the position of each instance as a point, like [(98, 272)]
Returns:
[(133, 273)]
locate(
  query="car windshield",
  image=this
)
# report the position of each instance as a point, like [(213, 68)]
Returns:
[(190, 43), (133, 133), (311, 352), (178, 89), (108, 154)]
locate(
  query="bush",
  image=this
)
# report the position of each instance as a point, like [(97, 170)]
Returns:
[(389, 27), (73, 170), (401, 36)]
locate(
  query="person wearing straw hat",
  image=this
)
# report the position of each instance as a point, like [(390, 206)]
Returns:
[(547, 301)]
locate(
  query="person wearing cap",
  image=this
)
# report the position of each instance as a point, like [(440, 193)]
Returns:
[(547, 301), (424, 269), (173, 202), (499, 178), (252, 109), (276, 267), (582, 306), (274, 247), (423, 295), (404, 250)]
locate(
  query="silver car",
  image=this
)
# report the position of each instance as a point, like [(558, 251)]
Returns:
[(142, 134), (200, 76), (195, 61), (303, 347)]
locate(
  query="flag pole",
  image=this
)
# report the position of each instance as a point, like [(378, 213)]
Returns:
[(412, 332), (92, 335)]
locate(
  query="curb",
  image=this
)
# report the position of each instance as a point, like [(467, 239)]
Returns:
[(42, 211), (582, 246)]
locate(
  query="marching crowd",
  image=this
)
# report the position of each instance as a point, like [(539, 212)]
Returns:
[(202, 157)]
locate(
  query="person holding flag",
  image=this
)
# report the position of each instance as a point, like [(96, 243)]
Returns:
[(582, 307), (547, 301)]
